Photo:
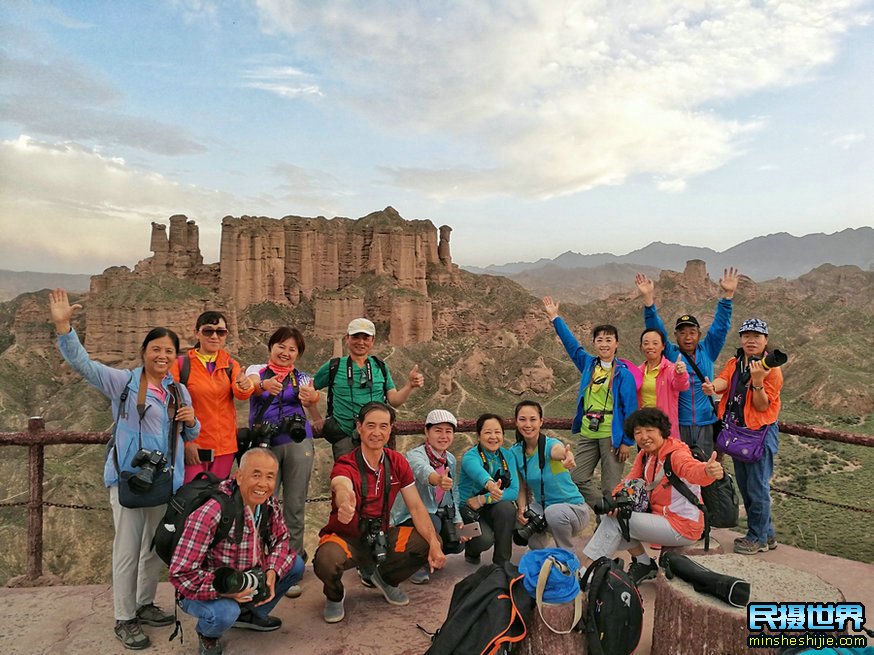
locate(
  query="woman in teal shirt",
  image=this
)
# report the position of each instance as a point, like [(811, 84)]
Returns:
[(545, 489), (487, 487)]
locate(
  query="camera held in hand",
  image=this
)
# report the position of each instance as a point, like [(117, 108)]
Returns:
[(150, 463), (375, 538), (621, 501), (468, 514), (773, 359), (231, 581), (503, 478), (536, 524), (448, 531), (595, 419)]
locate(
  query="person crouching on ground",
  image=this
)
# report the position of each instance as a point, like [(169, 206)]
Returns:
[(670, 519), (434, 469), (549, 501), (206, 575), (364, 485)]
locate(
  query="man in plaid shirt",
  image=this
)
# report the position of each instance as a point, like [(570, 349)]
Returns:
[(194, 564)]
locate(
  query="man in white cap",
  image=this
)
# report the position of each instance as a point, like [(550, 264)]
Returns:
[(355, 380), (434, 469)]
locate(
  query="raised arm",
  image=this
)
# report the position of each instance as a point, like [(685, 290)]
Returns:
[(575, 351), (714, 340)]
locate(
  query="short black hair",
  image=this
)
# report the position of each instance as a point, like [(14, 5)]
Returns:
[(648, 417), (373, 407), (160, 333), (528, 403), (605, 329), (481, 421), (210, 318), (658, 332), (284, 334)]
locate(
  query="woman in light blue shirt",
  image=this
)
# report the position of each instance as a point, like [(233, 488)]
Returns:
[(546, 490)]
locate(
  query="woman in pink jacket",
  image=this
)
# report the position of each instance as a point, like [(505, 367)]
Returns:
[(662, 380), (669, 518)]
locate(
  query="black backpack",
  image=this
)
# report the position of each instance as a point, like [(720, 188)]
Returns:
[(720, 506), (614, 613), (190, 496), (184, 363), (487, 614)]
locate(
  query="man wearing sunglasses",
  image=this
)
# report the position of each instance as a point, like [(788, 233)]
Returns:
[(355, 380)]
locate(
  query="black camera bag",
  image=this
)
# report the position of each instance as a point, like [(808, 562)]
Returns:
[(734, 591), (614, 614)]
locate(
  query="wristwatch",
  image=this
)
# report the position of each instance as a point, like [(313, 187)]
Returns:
[(755, 388)]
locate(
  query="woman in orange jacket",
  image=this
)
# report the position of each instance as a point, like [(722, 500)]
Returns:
[(214, 379), (752, 401), (668, 519)]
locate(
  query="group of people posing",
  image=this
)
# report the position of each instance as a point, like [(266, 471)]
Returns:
[(393, 516)]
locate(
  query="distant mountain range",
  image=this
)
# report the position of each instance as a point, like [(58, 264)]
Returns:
[(13, 283), (761, 258)]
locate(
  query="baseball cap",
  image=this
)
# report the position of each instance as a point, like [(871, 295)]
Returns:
[(687, 319), (361, 326), (436, 416), (754, 325)]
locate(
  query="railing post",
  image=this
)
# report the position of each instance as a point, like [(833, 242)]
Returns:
[(35, 475)]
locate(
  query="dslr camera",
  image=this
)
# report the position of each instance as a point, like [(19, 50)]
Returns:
[(375, 538), (150, 463), (621, 501), (231, 581), (262, 434), (536, 524), (773, 359), (595, 419), (448, 531), (295, 426)]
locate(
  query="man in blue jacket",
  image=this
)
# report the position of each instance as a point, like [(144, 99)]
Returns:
[(607, 395), (697, 415)]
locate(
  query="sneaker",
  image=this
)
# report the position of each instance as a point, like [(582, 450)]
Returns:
[(365, 575), (334, 612), (209, 645), (772, 542), (420, 577), (749, 547), (393, 595), (638, 571), (151, 614), (251, 621), (294, 591), (131, 635)]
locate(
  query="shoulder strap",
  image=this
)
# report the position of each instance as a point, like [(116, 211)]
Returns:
[(184, 368), (542, 579), (700, 377), (382, 367), (332, 373), (681, 486), (228, 519)]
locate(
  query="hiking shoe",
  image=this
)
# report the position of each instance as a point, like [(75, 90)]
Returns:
[(772, 542), (420, 577), (151, 614), (251, 621), (750, 547), (393, 595), (334, 612), (131, 635), (365, 576), (638, 571), (209, 645), (294, 591)]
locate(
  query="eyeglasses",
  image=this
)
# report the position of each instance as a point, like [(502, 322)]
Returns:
[(208, 331)]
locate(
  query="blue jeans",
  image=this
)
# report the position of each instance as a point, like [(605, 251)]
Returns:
[(215, 617), (754, 483)]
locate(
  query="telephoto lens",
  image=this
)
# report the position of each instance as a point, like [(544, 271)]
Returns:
[(774, 359)]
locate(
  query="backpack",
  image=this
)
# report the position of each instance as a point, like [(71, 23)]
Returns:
[(487, 614), (720, 504), (190, 496), (184, 363), (614, 614), (334, 365)]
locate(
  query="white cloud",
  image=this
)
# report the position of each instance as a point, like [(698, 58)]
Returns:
[(563, 97), (284, 81), (63, 191), (848, 140)]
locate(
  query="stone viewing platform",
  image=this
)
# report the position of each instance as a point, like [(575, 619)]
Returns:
[(74, 620)]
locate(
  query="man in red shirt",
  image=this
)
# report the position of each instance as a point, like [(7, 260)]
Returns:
[(364, 485)]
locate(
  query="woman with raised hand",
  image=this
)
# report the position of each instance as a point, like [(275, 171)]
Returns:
[(214, 379), (662, 380), (277, 420), (153, 415), (487, 488), (751, 400), (547, 494)]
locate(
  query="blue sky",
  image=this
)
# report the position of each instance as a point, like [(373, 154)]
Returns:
[(531, 128)]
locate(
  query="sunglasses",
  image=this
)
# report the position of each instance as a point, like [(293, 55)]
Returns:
[(208, 331)]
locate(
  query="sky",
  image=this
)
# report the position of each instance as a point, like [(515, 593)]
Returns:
[(531, 128)]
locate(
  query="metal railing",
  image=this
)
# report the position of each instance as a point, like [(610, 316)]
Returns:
[(36, 438)]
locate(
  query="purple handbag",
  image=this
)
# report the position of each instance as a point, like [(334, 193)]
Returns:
[(743, 444)]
